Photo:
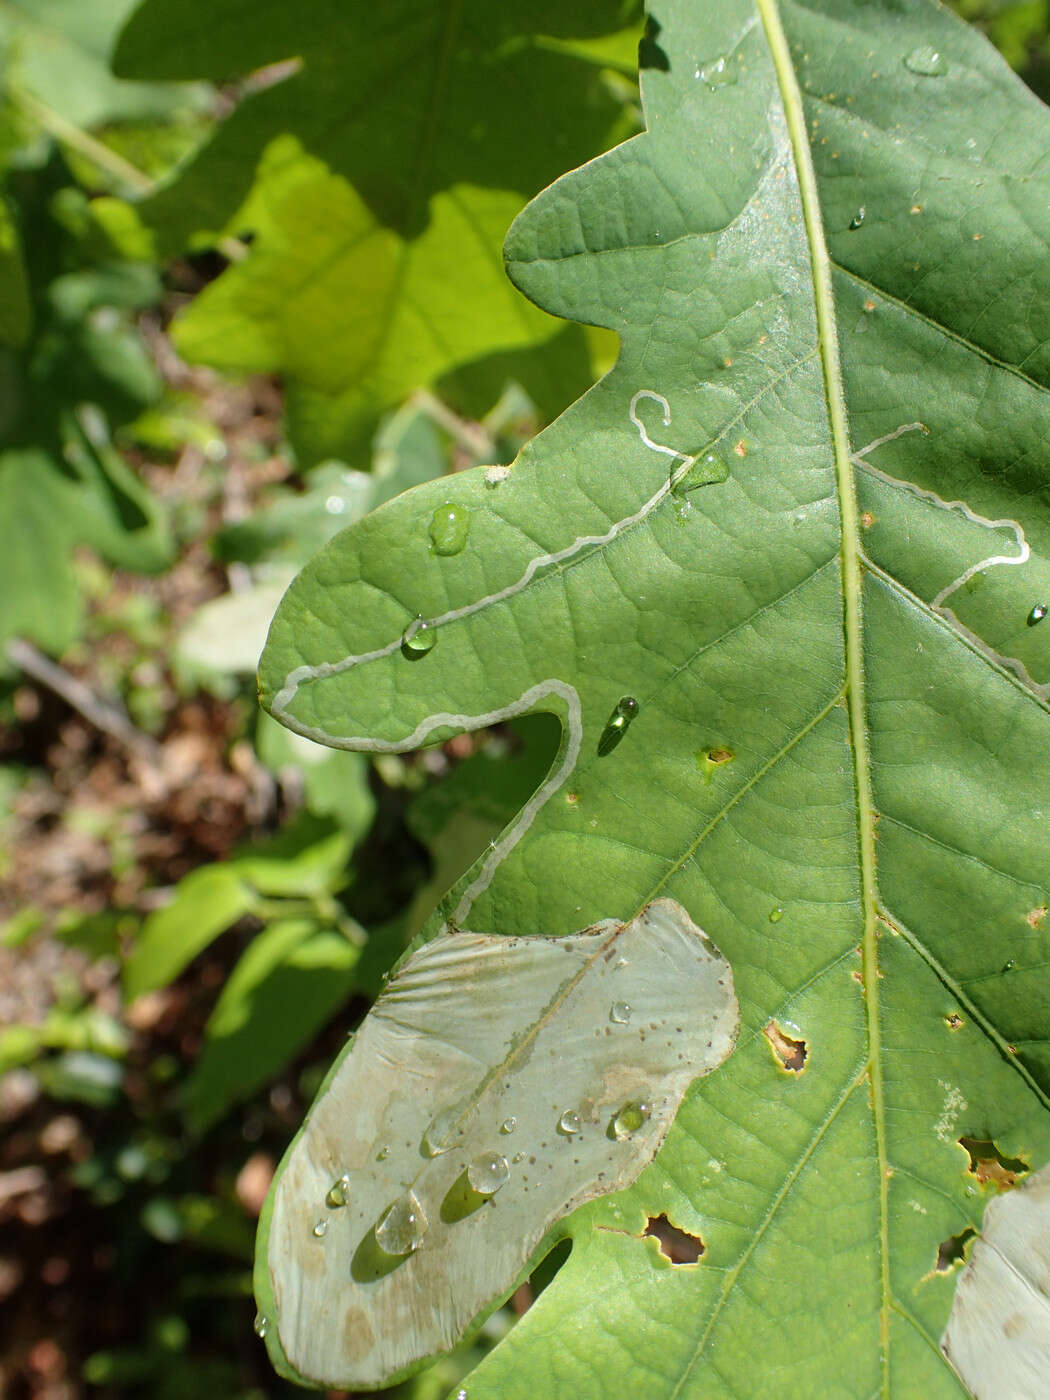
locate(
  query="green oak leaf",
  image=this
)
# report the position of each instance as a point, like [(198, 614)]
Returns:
[(377, 180), (807, 700)]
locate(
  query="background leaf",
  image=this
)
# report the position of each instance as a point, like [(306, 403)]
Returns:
[(375, 265), (830, 278)]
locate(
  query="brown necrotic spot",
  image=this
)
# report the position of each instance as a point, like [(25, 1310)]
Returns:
[(988, 1164), (790, 1054), (952, 1251), (1035, 916), (675, 1244)]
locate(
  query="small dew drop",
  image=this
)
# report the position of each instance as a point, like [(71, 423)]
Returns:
[(321, 1229), (437, 1138), (616, 726), (338, 1193), (569, 1122), (776, 914), (718, 73), (630, 1118), (488, 1173), (926, 62), (382, 1154), (508, 1125), (1037, 614), (449, 528), (417, 639), (260, 1324), (402, 1228), (858, 218), (518, 1157), (620, 1012)]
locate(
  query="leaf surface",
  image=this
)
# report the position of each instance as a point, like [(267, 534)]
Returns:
[(831, 284)]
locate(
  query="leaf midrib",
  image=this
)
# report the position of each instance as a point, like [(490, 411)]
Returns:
[(852, 621)]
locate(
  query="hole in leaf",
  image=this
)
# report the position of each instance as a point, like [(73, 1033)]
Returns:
[(954, 1021), (523, 1297), (790, 1054), (952, 1251), (988, 1164), (675, 1244)]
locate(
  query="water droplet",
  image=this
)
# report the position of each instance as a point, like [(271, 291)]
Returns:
[(321, 1229), (1037, 614), (417, 639), (683, 509), (518, 1157), (488, 1173), (508, 1125), (449, 528), (569, 1122), (260, 1324), (338, 1193), (776, 914), (382, 1154), (718, 73), (858, 218), (616, 726), (926, 61), (402, 1228), (438, 1135), (630, 1118), (620, 1012), (707, 470)]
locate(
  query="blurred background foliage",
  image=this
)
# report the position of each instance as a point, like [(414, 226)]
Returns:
[(250, 287)]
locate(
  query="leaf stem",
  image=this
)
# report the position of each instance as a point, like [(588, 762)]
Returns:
[(850, 555), (71, 135)]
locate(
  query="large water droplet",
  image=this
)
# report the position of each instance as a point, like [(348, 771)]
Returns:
[(488, 1173), (508, 1125), (260, 1324), (926, 61), (616, 726), (402, 1228), (321, 1229), (718, 73), (630, 1118), (449, 528), (620, 1012), (1037, 614), (569, 1122), (707, 470), (417, 639), (338, 1193), (858, 218)]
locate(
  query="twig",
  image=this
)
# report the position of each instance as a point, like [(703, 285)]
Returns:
[(469, 435), (80, 697)]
